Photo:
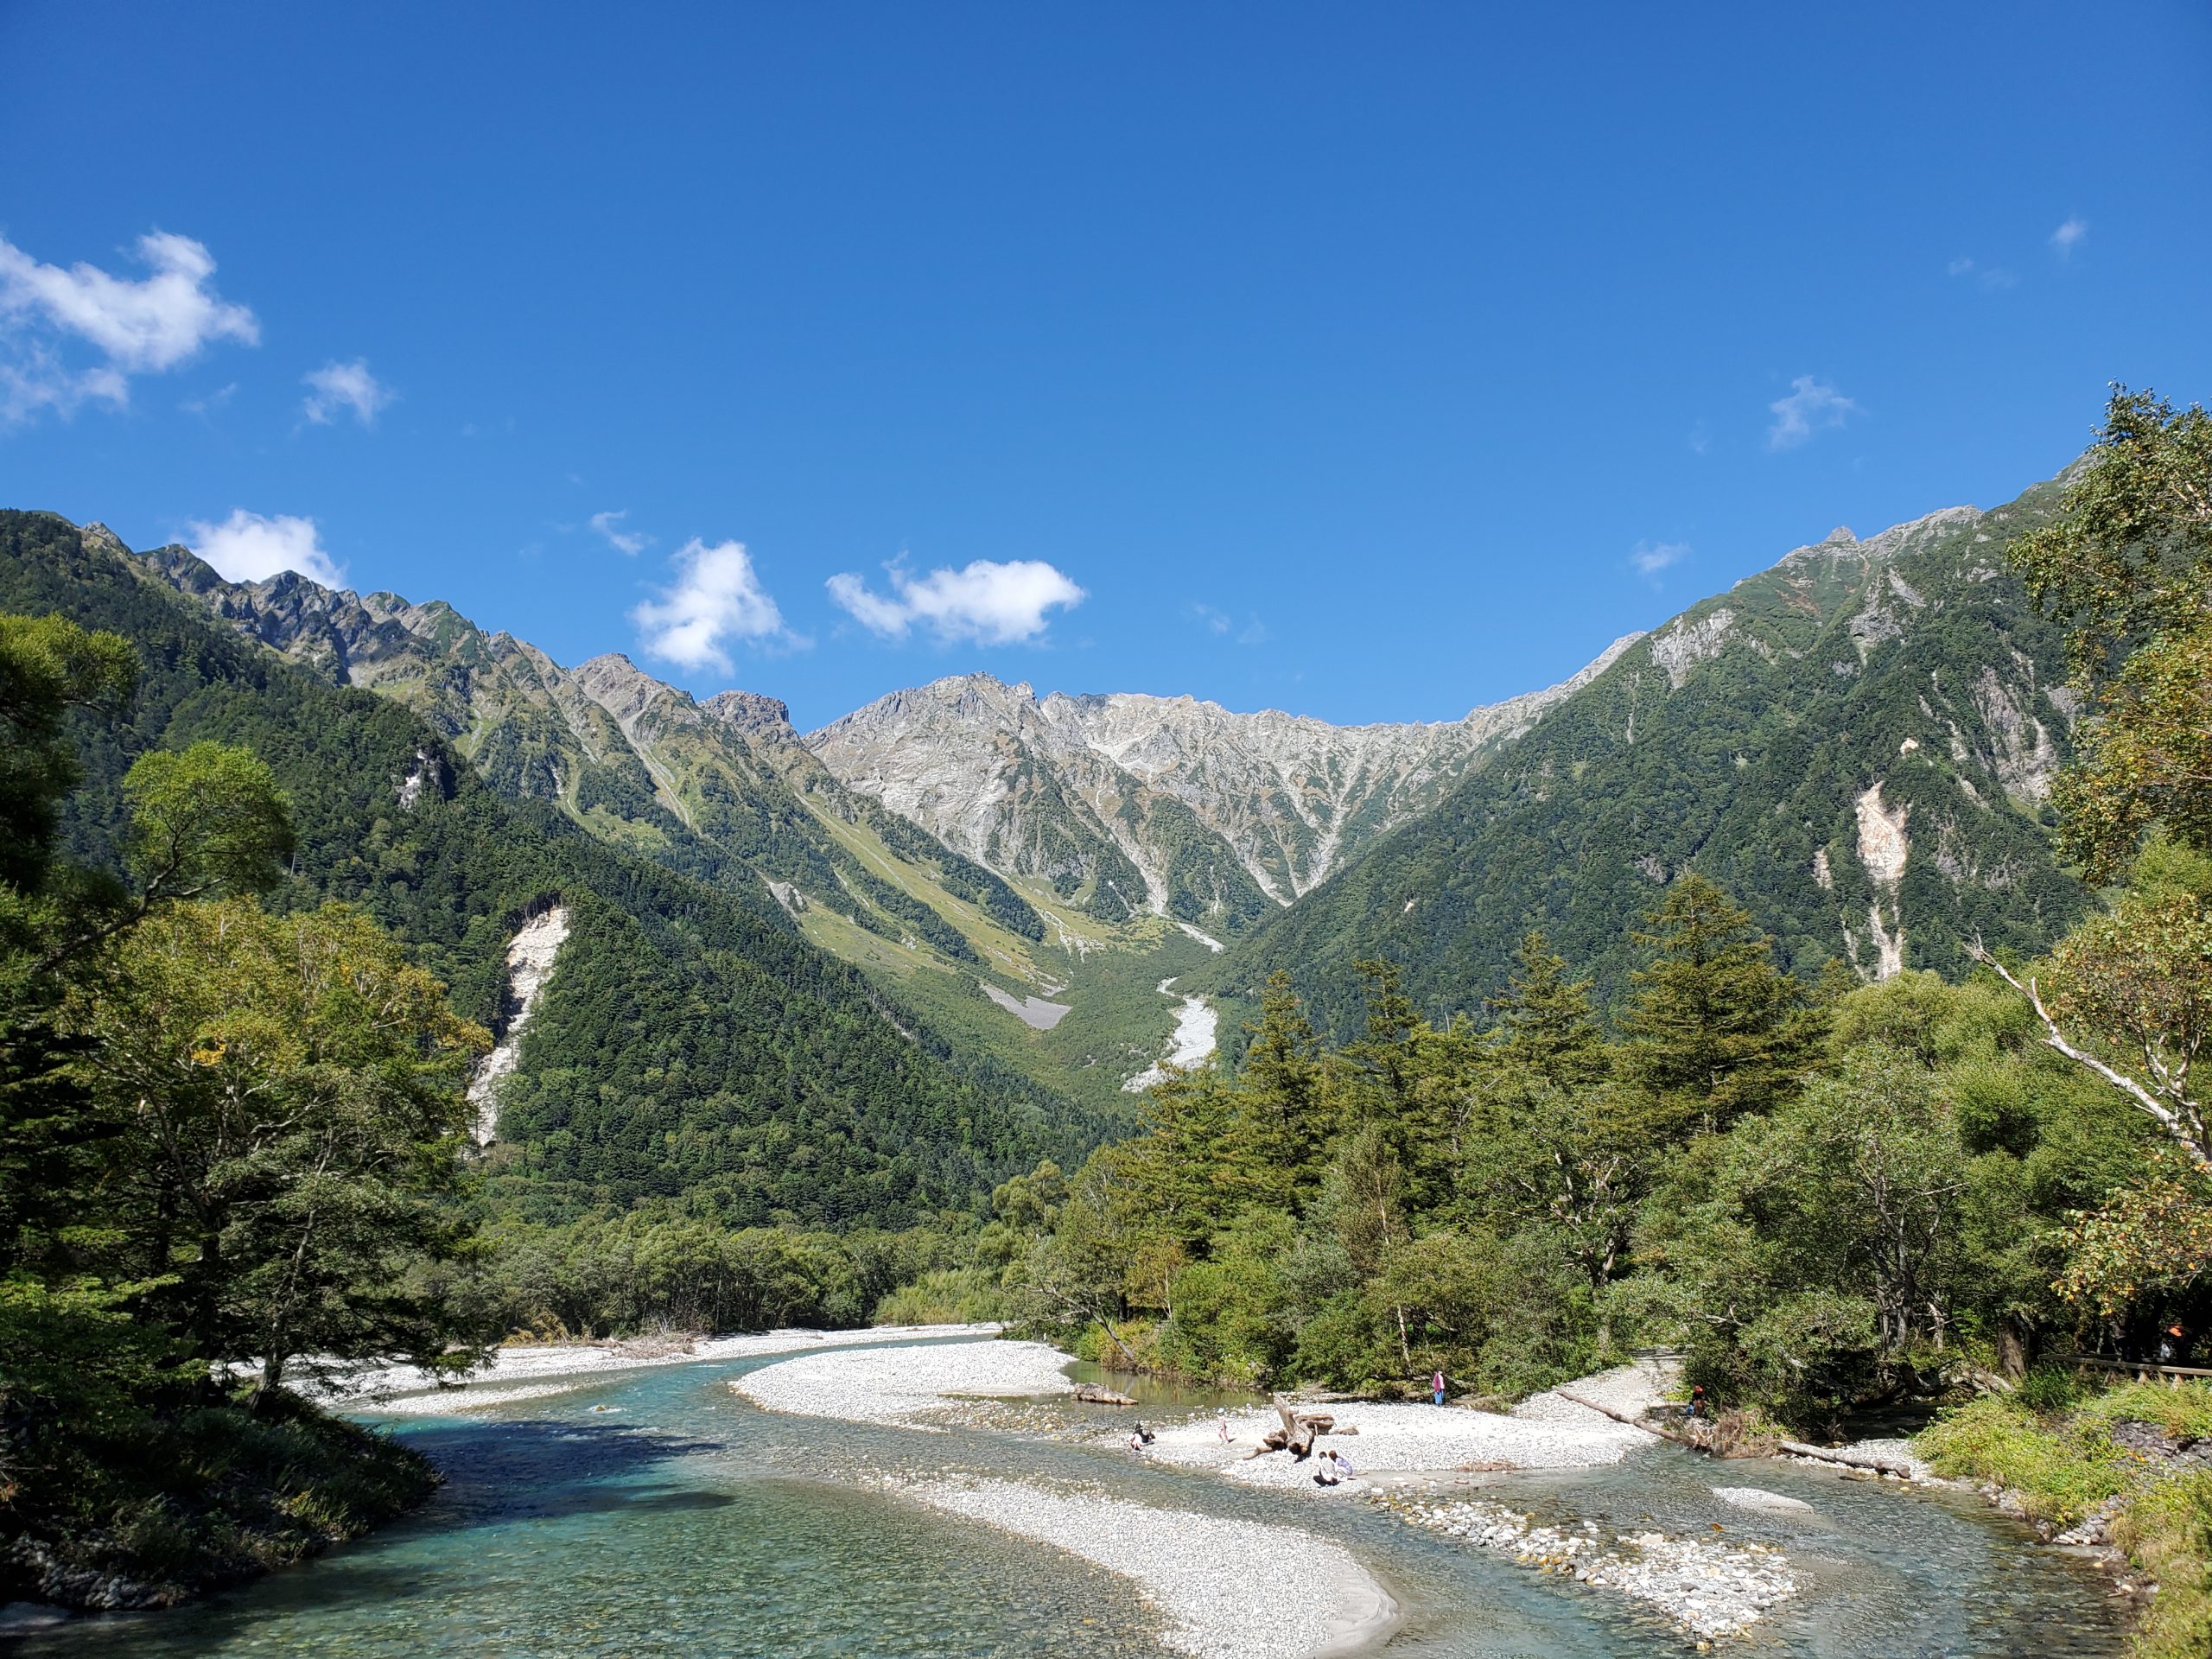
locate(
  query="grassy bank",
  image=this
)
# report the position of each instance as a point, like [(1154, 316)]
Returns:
[(152, 1505), (2106, 1461)]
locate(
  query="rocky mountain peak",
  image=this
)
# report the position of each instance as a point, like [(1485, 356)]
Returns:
[(750, 712)]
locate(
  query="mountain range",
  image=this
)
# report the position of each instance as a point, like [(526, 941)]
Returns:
[(1857, 742)]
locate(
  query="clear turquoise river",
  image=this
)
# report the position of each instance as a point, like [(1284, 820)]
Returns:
[(652, 1512)]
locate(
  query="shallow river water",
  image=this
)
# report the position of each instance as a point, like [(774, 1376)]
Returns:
[(681, 1521)]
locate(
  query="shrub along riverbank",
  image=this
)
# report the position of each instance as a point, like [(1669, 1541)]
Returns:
[(2129, 1467)]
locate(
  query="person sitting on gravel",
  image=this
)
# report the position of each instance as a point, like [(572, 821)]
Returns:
[(1324, 1470), (1136, 1438)]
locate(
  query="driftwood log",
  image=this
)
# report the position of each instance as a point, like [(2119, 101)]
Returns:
[(1300, 1430), (1621, 1417), (1796, 1448), (1848, 1459), (1090, 1394)]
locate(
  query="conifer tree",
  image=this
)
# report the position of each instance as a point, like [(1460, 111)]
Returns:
[(1546, 1028), (1280, 1099), (1715, 1029)]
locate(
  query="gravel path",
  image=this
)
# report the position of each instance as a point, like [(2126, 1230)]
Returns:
[(907, 1386), (1215, 1580)]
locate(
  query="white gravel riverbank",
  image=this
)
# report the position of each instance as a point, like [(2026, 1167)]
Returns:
[(1217, 1580), (907, 1386), (1544, 1432), (1204, 1572), (403, 1389)]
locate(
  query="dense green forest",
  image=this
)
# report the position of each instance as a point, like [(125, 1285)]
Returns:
[(693, 1040), (1738, 742)]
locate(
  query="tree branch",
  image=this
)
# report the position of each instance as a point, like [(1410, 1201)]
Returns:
[(2167, 1118)]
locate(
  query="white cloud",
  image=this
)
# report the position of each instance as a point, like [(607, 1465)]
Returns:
[(717, 598), (1987, 276), (1221, 624), (1811, 406), (246, 547), (218, 399), (989, 602), (143, 327), (336, 387), (1649, 558), (2068, 236), (629, 541)]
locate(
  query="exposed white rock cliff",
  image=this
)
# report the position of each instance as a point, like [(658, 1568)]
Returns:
[(1687, 643), (531, 957), (1884, 848)]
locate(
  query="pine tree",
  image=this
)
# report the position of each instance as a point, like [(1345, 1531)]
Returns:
[(1546, 1029), (1715, 1029), (1282, 1107)]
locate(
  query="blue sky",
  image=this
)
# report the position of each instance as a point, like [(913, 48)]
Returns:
[(1368, 362)]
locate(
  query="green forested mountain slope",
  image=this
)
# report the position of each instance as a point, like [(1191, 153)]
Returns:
[(637, 762), (724, 792), (1856, 743), (690, 1041)]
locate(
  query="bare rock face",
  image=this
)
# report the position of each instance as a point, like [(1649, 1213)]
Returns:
[(531, 957), (1687, 643), (1884, 848), (1168, 805)]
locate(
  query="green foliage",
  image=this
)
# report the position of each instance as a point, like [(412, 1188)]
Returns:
[(207, 820), (2126, 561), (48, 665), (656, 1268), (1714, 1029), (223, 1134), (1828, 1202), (2051, 1448), (288, 1093)]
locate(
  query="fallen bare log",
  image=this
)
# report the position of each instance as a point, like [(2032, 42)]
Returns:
[(1848, 1459), (1619, 1416), (1090, 1395)]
